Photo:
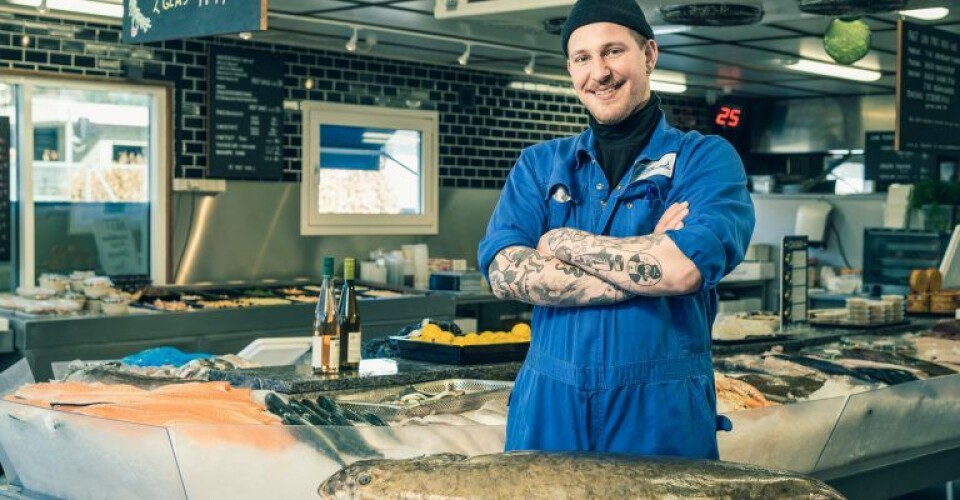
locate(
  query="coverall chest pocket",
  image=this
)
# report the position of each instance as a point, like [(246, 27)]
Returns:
[(638, 213)]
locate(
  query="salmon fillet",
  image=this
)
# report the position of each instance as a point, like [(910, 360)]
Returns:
[(195, 403)]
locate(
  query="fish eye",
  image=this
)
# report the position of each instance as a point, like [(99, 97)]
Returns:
[(364, 479)]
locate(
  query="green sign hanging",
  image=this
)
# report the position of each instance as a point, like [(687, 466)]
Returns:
[(155, 20)]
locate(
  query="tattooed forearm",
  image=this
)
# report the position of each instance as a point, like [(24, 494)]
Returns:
[(524, 274), (644, 265)]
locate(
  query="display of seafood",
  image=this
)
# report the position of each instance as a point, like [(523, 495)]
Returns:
[(188, 403), (734, 395), (171, 305), (539, 475), (148, 377), (851, 365), (321, 411), (410, 396), (306, 299)]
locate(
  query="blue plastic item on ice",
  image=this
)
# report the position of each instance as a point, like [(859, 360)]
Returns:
[(160, 356)]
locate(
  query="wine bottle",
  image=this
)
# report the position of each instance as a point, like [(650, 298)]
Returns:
[(349, 320), (325, 358)]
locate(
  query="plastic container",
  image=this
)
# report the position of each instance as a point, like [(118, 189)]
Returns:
[(115, 305), (39, 293), (56, 282)]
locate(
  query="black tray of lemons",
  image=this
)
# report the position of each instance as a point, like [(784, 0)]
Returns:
[(434, 344)]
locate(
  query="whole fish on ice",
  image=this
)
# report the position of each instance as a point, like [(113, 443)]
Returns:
[(537, 475)]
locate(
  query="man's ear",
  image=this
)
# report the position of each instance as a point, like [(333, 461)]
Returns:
[(652, 51)]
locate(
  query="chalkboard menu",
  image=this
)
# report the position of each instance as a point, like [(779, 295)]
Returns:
[(928, 107), (155, 20), (885, 165), (4, 188), (245, 114)]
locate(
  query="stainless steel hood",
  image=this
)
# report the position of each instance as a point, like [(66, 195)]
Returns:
[(815, 125)]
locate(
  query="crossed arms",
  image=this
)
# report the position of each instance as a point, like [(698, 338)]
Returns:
[(571, 267)]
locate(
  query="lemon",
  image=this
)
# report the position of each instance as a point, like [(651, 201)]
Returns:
[(430, 327), (521, 329), (459, 341), (444, 338)]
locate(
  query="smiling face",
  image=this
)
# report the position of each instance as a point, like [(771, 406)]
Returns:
[(610, 67)]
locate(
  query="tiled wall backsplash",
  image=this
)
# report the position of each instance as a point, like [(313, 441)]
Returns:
[(483, 124)]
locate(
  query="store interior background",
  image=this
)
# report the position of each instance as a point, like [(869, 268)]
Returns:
[(251, 232)]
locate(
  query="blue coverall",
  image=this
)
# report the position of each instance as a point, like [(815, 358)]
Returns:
[(633, 377)]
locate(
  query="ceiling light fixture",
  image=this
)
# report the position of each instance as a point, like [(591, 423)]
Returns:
[(245, 35), (667, 29), (665, 87), (465, 57), (351, 45), (833, 70), (531, 66), (931, 14), (79, 6)]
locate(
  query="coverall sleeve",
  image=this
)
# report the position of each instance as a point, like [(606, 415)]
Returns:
[(520, 216), (717, 231)]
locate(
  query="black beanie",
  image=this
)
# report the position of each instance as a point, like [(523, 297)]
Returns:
[(623, 12)]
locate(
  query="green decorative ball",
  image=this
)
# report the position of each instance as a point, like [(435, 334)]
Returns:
[(847, 41)]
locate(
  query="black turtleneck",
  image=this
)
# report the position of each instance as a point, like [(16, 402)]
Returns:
[(619, 144)]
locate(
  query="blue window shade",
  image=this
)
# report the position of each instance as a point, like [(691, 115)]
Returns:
[(344, 147)]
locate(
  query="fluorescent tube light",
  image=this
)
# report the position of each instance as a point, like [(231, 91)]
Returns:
[(79, 6), (666, 29), (834, 70), (666, 87), (931, 14)]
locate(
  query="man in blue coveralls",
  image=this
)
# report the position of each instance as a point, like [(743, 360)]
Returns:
[(618, 236)]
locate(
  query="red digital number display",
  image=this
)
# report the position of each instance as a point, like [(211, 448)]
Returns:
[(728, 117)]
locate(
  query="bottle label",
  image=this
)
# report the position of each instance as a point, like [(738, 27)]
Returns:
[(334, 362), (315, 351), (353, 347)]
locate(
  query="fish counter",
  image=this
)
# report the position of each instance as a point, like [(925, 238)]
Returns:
[(876, 415), (46, 339)]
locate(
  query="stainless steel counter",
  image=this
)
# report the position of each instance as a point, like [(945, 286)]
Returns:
[(44, 340)]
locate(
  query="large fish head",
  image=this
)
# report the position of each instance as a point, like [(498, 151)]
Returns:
[(381, 478)]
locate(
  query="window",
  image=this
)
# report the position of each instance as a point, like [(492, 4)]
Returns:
[(93, 192), (368, 170)]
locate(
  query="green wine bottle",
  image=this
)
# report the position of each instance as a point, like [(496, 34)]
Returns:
[(349, 320)]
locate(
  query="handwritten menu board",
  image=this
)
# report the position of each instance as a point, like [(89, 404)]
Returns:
[(4, 188), (885, 165), (928, 107), (155, 20), (245, 114)]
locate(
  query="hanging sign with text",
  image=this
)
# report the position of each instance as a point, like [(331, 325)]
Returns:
[(155, 20), (928, 107)]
